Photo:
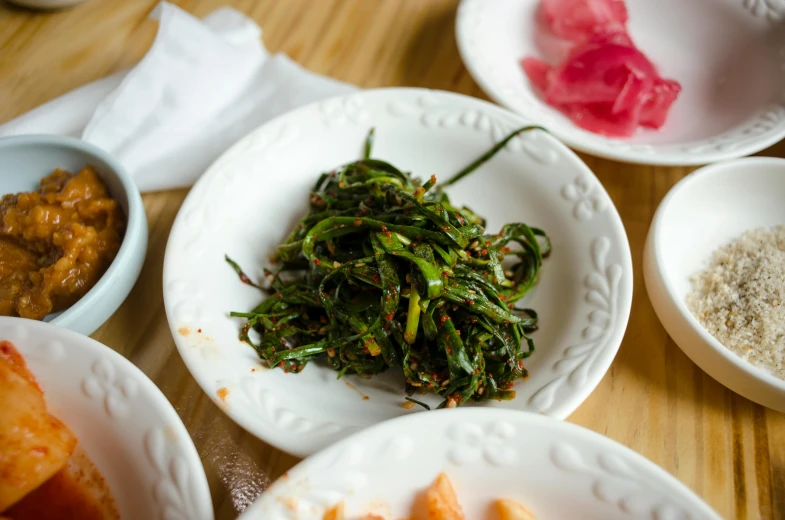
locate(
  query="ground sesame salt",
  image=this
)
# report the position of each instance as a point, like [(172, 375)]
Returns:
[(739, 298)]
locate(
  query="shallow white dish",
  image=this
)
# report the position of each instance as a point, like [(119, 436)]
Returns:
[(124, 423), (248, 201), (729, 56), (703, 212), (555, 469)]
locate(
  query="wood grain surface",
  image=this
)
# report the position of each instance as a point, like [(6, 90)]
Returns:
[(653, 399)]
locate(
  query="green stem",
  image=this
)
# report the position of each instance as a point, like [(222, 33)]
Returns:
[(413, 318), (488, 155)]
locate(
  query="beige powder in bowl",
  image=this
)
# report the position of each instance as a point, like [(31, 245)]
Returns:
[(740, 298)]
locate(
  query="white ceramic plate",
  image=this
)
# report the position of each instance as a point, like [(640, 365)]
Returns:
[(249, 200), (556, 469), (729, 56), (702, 213), (124, 423)]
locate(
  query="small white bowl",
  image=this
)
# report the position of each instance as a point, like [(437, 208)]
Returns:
[(728, 55), (703, 212), (26, 159)]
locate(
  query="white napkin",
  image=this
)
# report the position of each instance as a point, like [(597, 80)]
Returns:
[(202, 86)]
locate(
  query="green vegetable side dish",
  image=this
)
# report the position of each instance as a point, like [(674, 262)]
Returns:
[(385, 272)]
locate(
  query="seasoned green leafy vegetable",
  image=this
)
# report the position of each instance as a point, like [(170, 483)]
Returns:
[(385, 272)]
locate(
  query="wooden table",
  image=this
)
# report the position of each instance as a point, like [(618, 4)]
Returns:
[(653, 399)]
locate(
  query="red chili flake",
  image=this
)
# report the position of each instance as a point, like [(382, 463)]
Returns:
[(520, 364), (281, 364), (389, 317), (377, 278), (316, 261), (358, 222), (199, 331), (511, 306), (506, 249), (433, 179), (384, 228), (469, 301), (444, 318), (341, 184), (445, 228), (484, 252)]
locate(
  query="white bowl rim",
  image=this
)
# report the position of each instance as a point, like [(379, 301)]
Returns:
[(656, 250), (601, 148), (134, 240)]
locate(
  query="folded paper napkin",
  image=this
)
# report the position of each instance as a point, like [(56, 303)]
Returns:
[(202, 86)]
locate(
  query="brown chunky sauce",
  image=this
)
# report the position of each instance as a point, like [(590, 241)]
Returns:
[(56, 242)]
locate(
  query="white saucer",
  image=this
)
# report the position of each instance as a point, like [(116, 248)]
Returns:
[(728, 55)]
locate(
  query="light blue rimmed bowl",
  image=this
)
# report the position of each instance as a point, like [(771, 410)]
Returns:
[(26, 159)]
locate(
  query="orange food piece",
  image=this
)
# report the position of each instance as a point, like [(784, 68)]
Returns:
[(34, 445), (512, 510), (441, 501), (77, 491), (56, 242), (335, 513)]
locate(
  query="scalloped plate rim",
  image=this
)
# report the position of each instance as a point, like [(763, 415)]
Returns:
[(527, 426), (208, 382)]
